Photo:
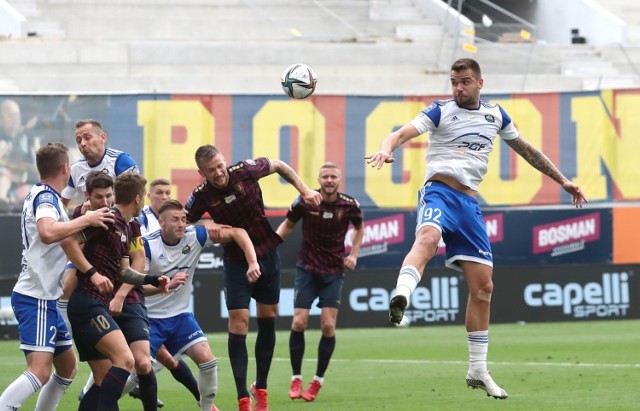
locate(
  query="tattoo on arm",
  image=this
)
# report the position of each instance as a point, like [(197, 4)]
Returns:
[(536, 158), (131, 276)]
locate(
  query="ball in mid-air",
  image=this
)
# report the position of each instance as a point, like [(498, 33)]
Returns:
[(299, 81)]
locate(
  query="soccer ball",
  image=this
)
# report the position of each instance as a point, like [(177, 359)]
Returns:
[(299, 81)]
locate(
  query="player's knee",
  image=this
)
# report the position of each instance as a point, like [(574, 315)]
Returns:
[(125, 361), (328, 328), (298, 324), (485, 291), (42, 374)]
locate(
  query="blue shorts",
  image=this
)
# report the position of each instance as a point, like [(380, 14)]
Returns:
[(134, 322), (40, 325), (177, 333), (238, 292), (309, 286), (459, 219), (90, 320)]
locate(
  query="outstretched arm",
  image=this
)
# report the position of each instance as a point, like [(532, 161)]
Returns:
[(390, 143), (285, 171), (541, 162)]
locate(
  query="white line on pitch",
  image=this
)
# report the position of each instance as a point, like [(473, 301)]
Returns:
[(454, 362)]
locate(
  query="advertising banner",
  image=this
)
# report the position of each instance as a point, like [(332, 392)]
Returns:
[(590, 136), (521, 294)]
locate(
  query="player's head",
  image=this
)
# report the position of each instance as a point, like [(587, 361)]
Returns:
[(159, 192), (466, 83), (52, 161), (99, 189), (211, 166), (130, 190), (91, 139), (329, 178), (173, 220)]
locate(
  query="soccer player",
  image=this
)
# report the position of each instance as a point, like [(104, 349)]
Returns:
[(172, 251), (101, 264), (44, 337), (462, 130), (92, 143), (320, 270), (159, 192), (232, 196)]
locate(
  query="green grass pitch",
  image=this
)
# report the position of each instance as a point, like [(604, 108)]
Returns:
[(547, 366)]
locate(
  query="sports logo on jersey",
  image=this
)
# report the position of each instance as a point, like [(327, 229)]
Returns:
[(186, 249), (161, 256), (229, 199), (454, 118), (123, 236), (250, 162), (239, 188), (490, 118), (327, 215), (314, 212)]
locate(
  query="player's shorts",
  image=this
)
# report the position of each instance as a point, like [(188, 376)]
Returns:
[(459, 219), (90, 320), (308, 286), (134, 322), (177, 333), (238, 291), (40, 325)]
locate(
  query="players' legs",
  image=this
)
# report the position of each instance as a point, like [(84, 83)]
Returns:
[(207, 363), (146, 377), (30, 381), (65, 364), (111, 374), (237, 346), (265, 341), (423, 249)]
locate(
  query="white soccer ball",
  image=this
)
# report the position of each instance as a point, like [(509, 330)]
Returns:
[(299, 81)]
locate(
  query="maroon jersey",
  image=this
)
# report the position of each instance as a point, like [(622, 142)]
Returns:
[(324, 228), (136, 295), (239, 204), (104, 249)]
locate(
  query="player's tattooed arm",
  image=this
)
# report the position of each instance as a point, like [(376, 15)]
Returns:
[(537, 159)]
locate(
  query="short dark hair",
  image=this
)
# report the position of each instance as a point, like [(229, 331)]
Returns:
[(467, 64), (98, 179), (94, 123), (49, 159), (159, 182), (127, 186), (205, 153), (170, 205)]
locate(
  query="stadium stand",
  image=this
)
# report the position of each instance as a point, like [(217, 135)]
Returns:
[(230, 46)]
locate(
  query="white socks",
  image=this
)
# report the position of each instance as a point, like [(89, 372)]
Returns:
[(208, 384), (478, 348), (90, 382), (52, 392), (19, 391), (408, 279)]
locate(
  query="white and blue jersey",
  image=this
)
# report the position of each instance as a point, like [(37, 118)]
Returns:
[(40, 324), (172, 322), (113, 162), (42, 264), (169, 259), (460, 139), (148, 221)]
